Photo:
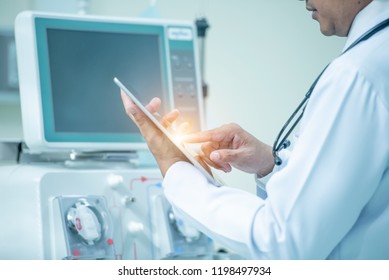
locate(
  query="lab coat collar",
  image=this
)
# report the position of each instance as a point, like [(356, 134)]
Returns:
[(374, 13)]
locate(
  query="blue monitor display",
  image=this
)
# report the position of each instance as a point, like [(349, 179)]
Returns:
[(84, 98)]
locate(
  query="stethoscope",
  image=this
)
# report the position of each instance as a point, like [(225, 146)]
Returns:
[(284, 143)]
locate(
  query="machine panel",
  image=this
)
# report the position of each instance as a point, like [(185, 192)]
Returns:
[(125, 209)]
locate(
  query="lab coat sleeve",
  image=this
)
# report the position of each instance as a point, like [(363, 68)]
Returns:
[(262, 181), (224, 214), (284, 156)]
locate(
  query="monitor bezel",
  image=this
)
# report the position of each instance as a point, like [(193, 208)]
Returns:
[(38, 130)]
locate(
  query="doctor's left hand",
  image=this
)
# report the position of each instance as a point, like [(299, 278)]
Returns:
[(164, 151)]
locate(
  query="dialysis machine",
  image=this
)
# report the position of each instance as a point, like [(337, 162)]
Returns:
[(84, 185)]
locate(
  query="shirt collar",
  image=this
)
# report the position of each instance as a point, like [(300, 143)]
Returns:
[(374, 13)]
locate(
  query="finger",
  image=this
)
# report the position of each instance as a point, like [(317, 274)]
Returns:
[(203, 164), (153, 105), (198, 137), (212, 135), (208, 147), (224, 167), (225, 156), (218, 164), (216, 157), (169, 118)]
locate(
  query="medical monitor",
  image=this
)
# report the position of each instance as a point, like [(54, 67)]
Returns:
[(66, 65)]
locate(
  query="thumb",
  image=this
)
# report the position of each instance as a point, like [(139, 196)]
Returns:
[(223, 158), (224, 155)]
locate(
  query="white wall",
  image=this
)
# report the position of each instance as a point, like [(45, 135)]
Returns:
[(261, 57)]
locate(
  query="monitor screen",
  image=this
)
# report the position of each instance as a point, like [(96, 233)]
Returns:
[(76, 61), (79, 99), (82, 65)]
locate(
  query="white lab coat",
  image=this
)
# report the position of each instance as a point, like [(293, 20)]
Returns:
[(330, 198)]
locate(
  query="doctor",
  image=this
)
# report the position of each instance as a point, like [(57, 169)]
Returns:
[(328, 198)]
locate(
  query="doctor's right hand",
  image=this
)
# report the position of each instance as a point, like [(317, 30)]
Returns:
[(230, 146)]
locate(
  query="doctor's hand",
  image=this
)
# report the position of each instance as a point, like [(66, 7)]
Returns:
[(164, 151), (230, 146)]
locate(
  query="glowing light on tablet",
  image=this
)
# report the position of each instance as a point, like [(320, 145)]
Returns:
[(178, 137)]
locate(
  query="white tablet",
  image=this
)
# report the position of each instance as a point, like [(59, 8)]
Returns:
[(187, 153)]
